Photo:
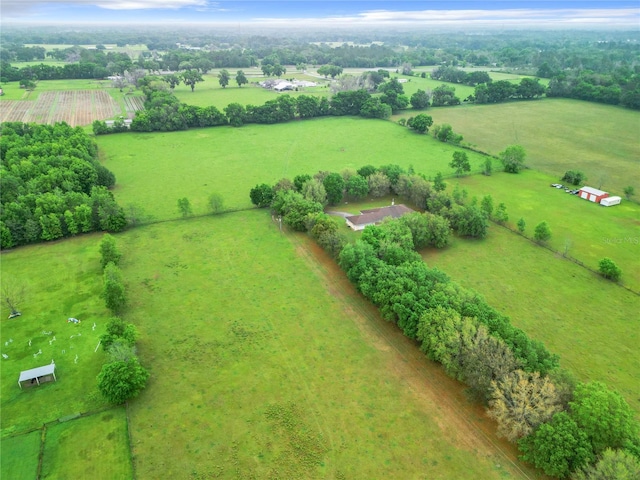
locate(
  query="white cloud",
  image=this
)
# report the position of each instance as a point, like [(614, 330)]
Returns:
[(14, 7), (532, 18), (145, 4)]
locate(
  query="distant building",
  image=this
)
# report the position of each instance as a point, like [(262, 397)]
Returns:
[(592, 194), (376, 215)]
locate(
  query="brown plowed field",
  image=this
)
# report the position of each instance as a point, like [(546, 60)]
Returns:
[(76, 107)]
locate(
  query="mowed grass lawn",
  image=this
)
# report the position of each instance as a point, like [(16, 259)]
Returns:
[(61, 280), (19, 458), (96, 446), (558, 135), (257, 371), (155, 170), (589, 231)]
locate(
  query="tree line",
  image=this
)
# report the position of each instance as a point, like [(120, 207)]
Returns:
[(52, 185), (560, 425), (122, 377)]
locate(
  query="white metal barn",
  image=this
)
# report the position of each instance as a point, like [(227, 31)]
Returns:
[(610, 201)]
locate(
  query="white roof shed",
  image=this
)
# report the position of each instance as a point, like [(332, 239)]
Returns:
[(37, 373)]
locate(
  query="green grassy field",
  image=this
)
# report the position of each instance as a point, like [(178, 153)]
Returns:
[(231, 161), (590, 230), (558, 135), (96, 446), (210, 92), (61, 280), (591, 323), (251, 358), (19, 456)]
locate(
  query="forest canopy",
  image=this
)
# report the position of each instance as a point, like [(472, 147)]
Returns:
[(52, 185)]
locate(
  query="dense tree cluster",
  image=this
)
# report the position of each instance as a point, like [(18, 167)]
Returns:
[(456, 75), (504, 90), (620, 87), (52, 185)]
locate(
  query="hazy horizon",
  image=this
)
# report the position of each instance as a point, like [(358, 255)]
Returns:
[(292, 14)]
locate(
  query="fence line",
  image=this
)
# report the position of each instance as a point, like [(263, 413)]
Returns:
[(564, 255), (130, 438), (43, 436)]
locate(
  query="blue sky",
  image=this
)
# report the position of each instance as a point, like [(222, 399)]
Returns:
[(453, 13)]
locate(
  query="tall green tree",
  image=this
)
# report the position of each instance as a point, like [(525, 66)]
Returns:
[(184, 207), (420, 123), (191, 77), (119, 331), (236, 113), (357, 187), (512, 158), (261, 195), (438, 183), (334, 185), (109, 251), (216, 202), (603, 415), (612, 465), (542, 232), (113, 288), (420, 99), (223, 78), (460, 163), (122, 381), (559, 447), (241, 78)]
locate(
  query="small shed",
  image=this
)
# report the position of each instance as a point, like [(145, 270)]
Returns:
[(592, 194), (610, 201), (40, 374)]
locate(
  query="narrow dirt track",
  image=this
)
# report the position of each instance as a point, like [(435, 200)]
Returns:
[(460, 419)]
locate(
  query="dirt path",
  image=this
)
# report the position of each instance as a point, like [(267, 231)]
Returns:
[(444, 398)]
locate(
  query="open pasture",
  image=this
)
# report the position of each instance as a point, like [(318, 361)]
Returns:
[(231, 161), (96, 446), (60, 280), (590, 322), (19, 458), (587, 231), (209, 92), (558, 135), (261, 368)]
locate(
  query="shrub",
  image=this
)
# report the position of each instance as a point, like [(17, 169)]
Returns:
[(608, 269)]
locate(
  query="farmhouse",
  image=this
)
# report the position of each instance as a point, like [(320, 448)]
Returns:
[(376, 215), (592, 194), (40, 374)]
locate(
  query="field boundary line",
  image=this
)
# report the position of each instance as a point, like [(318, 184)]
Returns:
[(130, 440), (564, 255), (43, 437)]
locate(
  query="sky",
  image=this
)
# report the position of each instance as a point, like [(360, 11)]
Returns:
[(614, 14)]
